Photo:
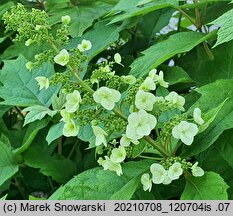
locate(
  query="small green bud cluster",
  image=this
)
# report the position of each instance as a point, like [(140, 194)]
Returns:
[(31, 26), (60, 78), (114, 123)]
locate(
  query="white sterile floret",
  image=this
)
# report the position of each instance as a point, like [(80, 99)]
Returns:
[(176, 100), (107, 97), (85, 45), (146, 182), (118, 154), (175, 171), (158, 78), (65, 115), (117, 58), (100, 135), (70, 129), (197, 171), (129, 79), (185, 131), (65, 19), (197, 116), (158, 173), (125, 141), (62, 58), (144, 100), (159, 99), (72, 101), (28, 42), (112, 166), (148, 84), (43, 82), (140, 124), (29, 65)]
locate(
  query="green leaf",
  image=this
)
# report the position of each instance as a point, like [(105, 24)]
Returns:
[(8, 166), (5, 7), (127, 191), (129, 8), (30, 135), (162, 51), (203, 70), (20, 87), (58, 167), (176, 75), (211, 186), (37, 112), (138, 149), (213, 95), (82, 16), (97, 184), (55, 132), (226, 29)]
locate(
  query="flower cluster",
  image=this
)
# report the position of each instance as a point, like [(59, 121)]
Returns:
[(160, 175)]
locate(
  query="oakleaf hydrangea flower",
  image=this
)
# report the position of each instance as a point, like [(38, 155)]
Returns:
[(148, 84), (72, 101), (176, 100), (42, 81), (144, 100), (118, 154), (125, 141), (100, 135), (158, 78), (29, 65), (129, 79), (28, 42), (146, 182), (185, 131), (112, 166), (85, 45), (159, 174), (197, 116), (175, 171), (70, 129), (196, 170), (65, 19), (62, 58), (65, 115), (140, 124), (107, 97), (117, 58)]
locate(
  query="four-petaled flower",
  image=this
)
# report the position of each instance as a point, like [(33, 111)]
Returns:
[(144, 100), (146, 182), (100, 135), (125, 141), (42, 81), (107, 97), (62, 58), (175, 171), (148, 84), (185, 131), (112, 166), (140, 124), (196, 170), (176, 100), (129, 79), (85, 45), (118, 154), (72, 101), (197, 116), (70, 129), (65, 19), (159, 174), (158, 78)]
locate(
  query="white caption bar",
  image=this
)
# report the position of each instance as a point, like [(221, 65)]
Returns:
[(105, 207)]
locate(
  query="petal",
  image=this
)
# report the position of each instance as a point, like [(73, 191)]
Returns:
[(116, 95), (143, 130), (192, 130), (176, 132), (152, 121), (107, 104), (133, 119), (186, 139)]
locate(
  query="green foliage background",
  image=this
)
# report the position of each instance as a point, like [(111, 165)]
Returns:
[(30, 163)]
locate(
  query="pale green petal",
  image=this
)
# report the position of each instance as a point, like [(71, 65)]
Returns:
[(186, 139), (176, 132), (152, 121), (70, 129), (198, 172), (197, 116), (107, 104), (175, 171), (115, 95), (125, 141), (131, 132), (133, 119), (146, 182), (118, 155), (143, 130), (62, 58), (192, 130)]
